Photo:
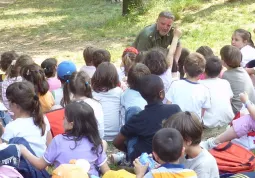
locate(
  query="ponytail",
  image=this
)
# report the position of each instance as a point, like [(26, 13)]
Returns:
[(250, 41), (38, 115), (128, 60), (66, 94)]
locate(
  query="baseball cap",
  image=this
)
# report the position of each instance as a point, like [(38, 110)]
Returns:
[(65, 68)]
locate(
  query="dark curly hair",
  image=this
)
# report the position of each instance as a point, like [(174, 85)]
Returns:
[(6, 59), (155, 60)]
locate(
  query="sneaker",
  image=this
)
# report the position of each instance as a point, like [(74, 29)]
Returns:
[(208, 144), (119, 159)]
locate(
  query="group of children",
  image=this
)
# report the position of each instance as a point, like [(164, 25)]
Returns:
[(146, 105)]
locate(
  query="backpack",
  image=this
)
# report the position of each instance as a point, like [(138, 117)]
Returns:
[(233, 158), (56, 118), (8, 171)]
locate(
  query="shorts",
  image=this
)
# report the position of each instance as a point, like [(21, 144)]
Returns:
[(243, 125)]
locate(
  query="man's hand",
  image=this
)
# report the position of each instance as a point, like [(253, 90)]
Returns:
[(177, 32), (140, 169), (244, 97)]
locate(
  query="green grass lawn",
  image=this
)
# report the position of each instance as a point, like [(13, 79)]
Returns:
[(62, 28)]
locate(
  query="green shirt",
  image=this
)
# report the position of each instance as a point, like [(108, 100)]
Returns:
[(149, 37)]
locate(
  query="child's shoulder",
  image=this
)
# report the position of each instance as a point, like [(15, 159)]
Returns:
[(180, 171)]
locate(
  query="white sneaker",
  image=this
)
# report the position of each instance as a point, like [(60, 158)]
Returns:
[(208, 144)]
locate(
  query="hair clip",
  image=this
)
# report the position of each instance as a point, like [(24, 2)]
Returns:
[(28, 72), (86, 83), (13, 62), (36, 98)]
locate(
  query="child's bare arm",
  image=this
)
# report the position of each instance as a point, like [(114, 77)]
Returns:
[(172, 49), (39, 163), (104, 168), (249, 105)]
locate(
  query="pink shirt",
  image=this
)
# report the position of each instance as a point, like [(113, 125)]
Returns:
[(54, 83)]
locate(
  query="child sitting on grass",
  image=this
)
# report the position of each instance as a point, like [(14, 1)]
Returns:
[(99, 56), (240, 127), (140, 128), (49, 67), (167, 149), (221, 113), (89, 68), (5, 62), (35, 74), (196, 158), (237, 76), (188, 93), (81, 140)]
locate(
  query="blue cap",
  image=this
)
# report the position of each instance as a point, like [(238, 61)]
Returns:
[(65, 68)]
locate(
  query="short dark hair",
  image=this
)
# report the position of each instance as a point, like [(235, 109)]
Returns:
[(213, 67), (88, 54), (188, 124), (166, 14), (6, 59), (150, 87), (99, 56), (155, 60), (206, 51), (167, 143), (194, 64), (34, 74), (231, 55), (185, 52), (49, 67), (135, 73), (105, 78)]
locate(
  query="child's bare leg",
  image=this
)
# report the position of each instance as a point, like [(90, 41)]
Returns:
[(228, 135)]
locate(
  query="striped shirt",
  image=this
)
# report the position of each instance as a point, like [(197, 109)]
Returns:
[(171, 171)]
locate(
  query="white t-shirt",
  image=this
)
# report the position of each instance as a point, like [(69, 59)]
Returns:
[(167, 80), (221, 112), (110, 101), (90, 70), (190, 96), (248, 54), (98, 111), (25, 127), (204, 165)]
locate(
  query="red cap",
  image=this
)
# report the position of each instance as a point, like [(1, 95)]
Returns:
[(131, 50)]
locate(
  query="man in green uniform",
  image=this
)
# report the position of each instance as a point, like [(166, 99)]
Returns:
[(159, 34)]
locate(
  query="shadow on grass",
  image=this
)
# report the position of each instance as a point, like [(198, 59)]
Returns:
[(204, 13)]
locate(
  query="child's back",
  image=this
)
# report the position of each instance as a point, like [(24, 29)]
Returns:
[(63, 149), (188, 93), (220, 113), (190, 96), (105, 85), (237, 77), (148, 121), (131, 97)]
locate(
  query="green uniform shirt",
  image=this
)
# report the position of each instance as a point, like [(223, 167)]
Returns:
[(149, 37)]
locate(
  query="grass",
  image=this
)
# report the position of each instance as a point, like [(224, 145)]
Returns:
[(62, 28)]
